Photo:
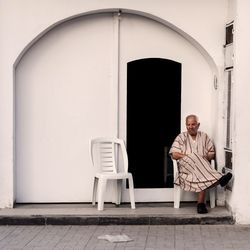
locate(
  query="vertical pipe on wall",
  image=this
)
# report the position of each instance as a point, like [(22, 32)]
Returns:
[(116, 68), (115, 82)]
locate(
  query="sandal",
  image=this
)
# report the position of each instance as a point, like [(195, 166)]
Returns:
[(225, 179), (201, 208)]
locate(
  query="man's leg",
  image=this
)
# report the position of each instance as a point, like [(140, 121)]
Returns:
[(201, 206), (201, 196)]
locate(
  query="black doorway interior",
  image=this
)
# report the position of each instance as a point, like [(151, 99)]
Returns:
[(153, 119)]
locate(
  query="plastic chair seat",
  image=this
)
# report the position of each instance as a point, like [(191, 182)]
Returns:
[(113, 176)]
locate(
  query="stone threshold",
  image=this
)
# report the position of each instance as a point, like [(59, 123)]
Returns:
[(86, 214)]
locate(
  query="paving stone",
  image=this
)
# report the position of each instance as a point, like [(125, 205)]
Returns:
[(150, 237)]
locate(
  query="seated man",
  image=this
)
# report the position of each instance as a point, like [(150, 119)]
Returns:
[(194, 150)]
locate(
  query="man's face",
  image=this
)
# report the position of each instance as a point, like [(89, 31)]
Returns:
[(192, 126)]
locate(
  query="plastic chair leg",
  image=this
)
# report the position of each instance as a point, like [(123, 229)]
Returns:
[(101, 192), (212, 197), (94, 191), (119, 192), (177, 196), (131, 191)]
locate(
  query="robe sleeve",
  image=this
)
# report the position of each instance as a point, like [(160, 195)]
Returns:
[(209, 146), (177, 145)]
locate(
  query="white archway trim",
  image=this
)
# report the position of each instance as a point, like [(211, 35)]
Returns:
[(186, 36)]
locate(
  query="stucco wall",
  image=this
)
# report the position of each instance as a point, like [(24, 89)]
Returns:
[(239, 198), (23, 21)]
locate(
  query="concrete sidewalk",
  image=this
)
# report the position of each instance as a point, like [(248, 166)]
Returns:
[(86, 214), (146, 237)]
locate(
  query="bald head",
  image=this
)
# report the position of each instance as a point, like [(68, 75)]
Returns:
[(192, 124), (194, 117)]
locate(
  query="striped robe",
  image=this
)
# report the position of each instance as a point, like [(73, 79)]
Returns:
[(195, 172)]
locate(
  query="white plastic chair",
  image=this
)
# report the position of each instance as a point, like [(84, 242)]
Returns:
[(104, 155), (178, 190)]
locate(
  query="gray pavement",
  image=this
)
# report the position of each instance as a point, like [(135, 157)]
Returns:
[(148, 237)]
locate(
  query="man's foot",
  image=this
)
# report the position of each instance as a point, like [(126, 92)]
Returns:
[(225, 179), (201, 208)]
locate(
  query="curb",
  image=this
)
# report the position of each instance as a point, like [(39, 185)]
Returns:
[(114, 220)]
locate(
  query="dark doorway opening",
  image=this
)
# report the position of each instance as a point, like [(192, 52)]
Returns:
[(153, 119)]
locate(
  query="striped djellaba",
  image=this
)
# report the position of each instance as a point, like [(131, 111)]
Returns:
[(195, 171)]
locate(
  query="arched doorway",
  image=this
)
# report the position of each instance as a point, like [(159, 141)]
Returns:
[(69, 88)]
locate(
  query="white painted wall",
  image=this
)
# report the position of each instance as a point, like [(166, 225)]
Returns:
[(239, 199), (23, 21), (64, 97)]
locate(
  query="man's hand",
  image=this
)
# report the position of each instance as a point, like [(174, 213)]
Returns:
[(209, 156), (177, 155)]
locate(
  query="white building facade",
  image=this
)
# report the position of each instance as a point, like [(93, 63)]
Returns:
[(64, 79)]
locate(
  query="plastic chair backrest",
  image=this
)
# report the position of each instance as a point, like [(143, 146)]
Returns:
[(104, 154)]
